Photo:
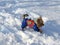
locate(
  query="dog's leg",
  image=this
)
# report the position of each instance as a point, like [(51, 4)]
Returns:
[(40, 31)]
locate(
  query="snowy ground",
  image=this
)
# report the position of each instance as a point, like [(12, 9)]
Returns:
[(11, 12)]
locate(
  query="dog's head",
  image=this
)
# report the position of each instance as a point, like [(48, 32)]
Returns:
[(40, 22)]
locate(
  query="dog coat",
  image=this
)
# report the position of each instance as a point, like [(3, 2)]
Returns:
[(30, 23)]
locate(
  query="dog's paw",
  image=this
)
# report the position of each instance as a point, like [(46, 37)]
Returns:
[(40, 31)]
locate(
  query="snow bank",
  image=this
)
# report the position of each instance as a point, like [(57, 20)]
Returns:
[(11, 36), (10, 30)]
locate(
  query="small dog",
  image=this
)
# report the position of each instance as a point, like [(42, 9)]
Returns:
[(31, 23)]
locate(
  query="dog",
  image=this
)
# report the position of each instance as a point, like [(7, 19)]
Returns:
[(31, 23)]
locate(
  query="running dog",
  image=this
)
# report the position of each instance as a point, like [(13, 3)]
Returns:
[(32, 24)]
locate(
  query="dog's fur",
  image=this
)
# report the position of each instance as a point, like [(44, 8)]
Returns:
[(40, 22)]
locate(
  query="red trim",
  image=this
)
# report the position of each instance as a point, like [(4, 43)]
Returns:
[(30, 23)]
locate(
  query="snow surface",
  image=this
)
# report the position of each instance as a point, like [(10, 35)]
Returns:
[(11, 12)]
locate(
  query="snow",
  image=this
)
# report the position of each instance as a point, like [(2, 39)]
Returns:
[(11, 12), (20, 11)]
